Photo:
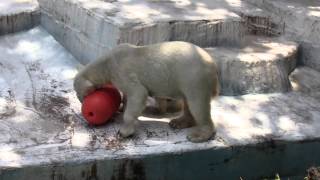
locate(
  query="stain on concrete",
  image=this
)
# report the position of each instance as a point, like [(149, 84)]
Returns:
[(132, 169), (46, 102), (57, 176), (93, 172), (52, 105), (113, 143), (10, 105)]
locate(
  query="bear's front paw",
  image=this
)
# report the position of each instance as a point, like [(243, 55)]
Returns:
[(127, 130), (201, 134)]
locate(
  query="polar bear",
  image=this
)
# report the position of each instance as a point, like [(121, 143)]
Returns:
[(174, 70)]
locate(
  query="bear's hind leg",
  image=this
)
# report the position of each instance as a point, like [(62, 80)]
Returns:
[(184, 121), (199, 104)]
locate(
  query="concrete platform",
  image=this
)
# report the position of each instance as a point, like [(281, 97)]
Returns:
[(261, 66), (18, 15), (43, 136)]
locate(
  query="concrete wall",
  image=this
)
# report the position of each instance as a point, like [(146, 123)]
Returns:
[(250, 162)]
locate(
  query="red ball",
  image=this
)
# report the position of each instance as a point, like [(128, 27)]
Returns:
[(99, 106)]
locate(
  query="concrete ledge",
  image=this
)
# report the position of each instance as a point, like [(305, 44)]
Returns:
[(262, 65), (17, 16)]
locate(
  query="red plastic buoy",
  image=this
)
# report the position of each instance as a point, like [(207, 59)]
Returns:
[(99, 106)]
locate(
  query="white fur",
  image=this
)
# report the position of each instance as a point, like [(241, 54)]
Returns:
[(177, 70)]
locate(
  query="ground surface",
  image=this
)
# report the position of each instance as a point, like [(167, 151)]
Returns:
[(313, 173), (40, 121)]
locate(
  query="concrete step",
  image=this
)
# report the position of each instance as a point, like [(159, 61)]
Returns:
[(43, 135), (256, 20), (88, 28), (18, 15), (262, 65), (300, 23)]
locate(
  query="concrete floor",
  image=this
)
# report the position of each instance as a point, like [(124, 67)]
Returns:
[(41, 123)]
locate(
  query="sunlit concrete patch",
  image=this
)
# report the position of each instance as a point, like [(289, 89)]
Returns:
[(8, 156), (17, 15), (80, 139), (243, 119)]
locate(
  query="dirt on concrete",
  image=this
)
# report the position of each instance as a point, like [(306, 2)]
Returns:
[(313, 173)]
